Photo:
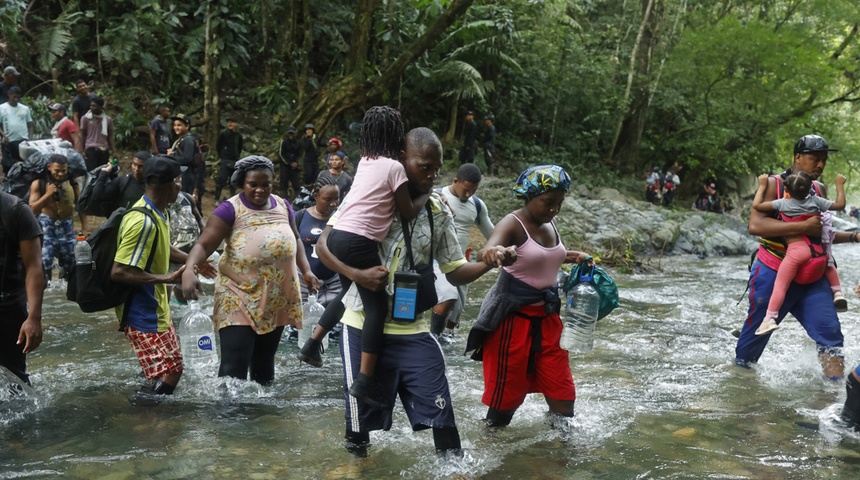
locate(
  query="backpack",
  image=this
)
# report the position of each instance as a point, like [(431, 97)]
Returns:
[(22, 174), (202, 149), (92, 288), (100, 209), (478, 205)]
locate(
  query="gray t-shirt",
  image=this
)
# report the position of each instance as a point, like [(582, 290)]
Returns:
[(792, 207), (467, 214)]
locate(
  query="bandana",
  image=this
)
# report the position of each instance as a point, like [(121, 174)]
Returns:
[(252, 162), (538, 180)]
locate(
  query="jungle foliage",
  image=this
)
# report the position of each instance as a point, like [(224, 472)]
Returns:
[(609, 88)]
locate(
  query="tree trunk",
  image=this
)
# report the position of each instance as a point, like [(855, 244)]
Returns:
[(355, 91), (211, 101), (628, 133), (452, 122), (362, 29)]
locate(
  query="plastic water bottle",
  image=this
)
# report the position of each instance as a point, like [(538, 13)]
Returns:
[(580, 315), (311, 313), (197, 340), (83, 252)]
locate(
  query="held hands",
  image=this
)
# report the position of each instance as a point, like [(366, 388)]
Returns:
[(190, 284), (208, 270), (498, 256)]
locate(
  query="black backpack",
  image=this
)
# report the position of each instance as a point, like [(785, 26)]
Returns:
[(92, 288), (87, 205)]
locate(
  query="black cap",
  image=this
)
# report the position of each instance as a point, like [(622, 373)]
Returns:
[(162, 168), (311, 126), (812, 144), (490, 116), (469, 112), (182, 118), (291, 129)]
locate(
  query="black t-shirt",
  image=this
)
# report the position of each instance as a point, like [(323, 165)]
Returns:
[(81, 105), (17, 223), (4, 92)]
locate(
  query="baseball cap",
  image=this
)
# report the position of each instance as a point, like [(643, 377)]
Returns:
[(57, 106), (311, 126), (490, 116), (233, 118), (812, 144), (292, 129), (182, 118), (164, 169), (12, 70)]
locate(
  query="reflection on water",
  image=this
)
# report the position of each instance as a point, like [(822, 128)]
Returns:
[(658, 397)]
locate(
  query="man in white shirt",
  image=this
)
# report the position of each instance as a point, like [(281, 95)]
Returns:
[(469, 211), (16, 126)]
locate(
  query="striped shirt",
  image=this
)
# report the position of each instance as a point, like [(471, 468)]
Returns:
[(148, 304)]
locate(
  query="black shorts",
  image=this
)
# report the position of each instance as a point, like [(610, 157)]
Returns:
[(411, 366)]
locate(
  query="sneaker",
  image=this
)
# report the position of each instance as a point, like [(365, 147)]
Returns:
[(311, 353), (366, 391), (839, 302), (768, 325)]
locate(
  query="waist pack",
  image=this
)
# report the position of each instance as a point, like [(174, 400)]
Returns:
[(601, 281), (90, 286)]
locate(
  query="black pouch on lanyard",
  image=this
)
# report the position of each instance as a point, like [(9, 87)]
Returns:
[(415, 289)]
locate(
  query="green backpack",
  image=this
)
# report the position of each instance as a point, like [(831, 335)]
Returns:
[(602, 282)]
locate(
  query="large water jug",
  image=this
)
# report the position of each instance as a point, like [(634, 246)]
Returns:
[(580, 315), (83, 252), (311, 313), (197, 340)]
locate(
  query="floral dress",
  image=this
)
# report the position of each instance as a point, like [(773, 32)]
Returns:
[(258, 281)]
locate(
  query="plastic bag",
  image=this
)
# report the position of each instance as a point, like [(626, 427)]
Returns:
[(603, 283)]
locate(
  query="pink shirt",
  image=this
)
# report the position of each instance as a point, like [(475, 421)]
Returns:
[(368, 208), (537, 265)]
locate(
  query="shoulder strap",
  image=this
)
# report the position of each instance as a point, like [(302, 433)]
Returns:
[(149, 214), (407, 236), (299, 216), (478, 207)]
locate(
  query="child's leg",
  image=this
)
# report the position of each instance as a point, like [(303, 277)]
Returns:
[(833, 279), (333, 312), (796, 254), (375, 311)]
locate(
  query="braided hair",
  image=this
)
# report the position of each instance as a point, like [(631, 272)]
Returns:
[(381, 133), (798, 185), (322, 182)]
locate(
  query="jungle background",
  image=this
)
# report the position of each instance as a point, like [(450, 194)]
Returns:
[(607, 88)]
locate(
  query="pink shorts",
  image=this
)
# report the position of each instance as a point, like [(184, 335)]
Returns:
[(158, 353), (506, 358)]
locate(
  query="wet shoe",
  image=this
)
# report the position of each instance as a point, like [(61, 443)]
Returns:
[(311, 353), (366, 391), (768, 325), (839, 302)]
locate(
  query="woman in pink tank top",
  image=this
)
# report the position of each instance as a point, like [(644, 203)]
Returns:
[(521, 355)]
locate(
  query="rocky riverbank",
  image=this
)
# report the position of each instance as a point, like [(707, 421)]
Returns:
[(621, 228)]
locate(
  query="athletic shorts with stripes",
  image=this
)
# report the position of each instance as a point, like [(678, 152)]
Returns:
[(506, 357), (411, 366), (158, 353)]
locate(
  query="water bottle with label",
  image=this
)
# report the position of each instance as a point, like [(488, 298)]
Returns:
[(311, 313), (197, 340), (83, 251), (580, 315)]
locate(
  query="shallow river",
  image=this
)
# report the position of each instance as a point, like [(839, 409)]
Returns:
[(659, 397)]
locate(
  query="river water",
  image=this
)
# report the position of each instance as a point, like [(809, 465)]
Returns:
[(658, 397)]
